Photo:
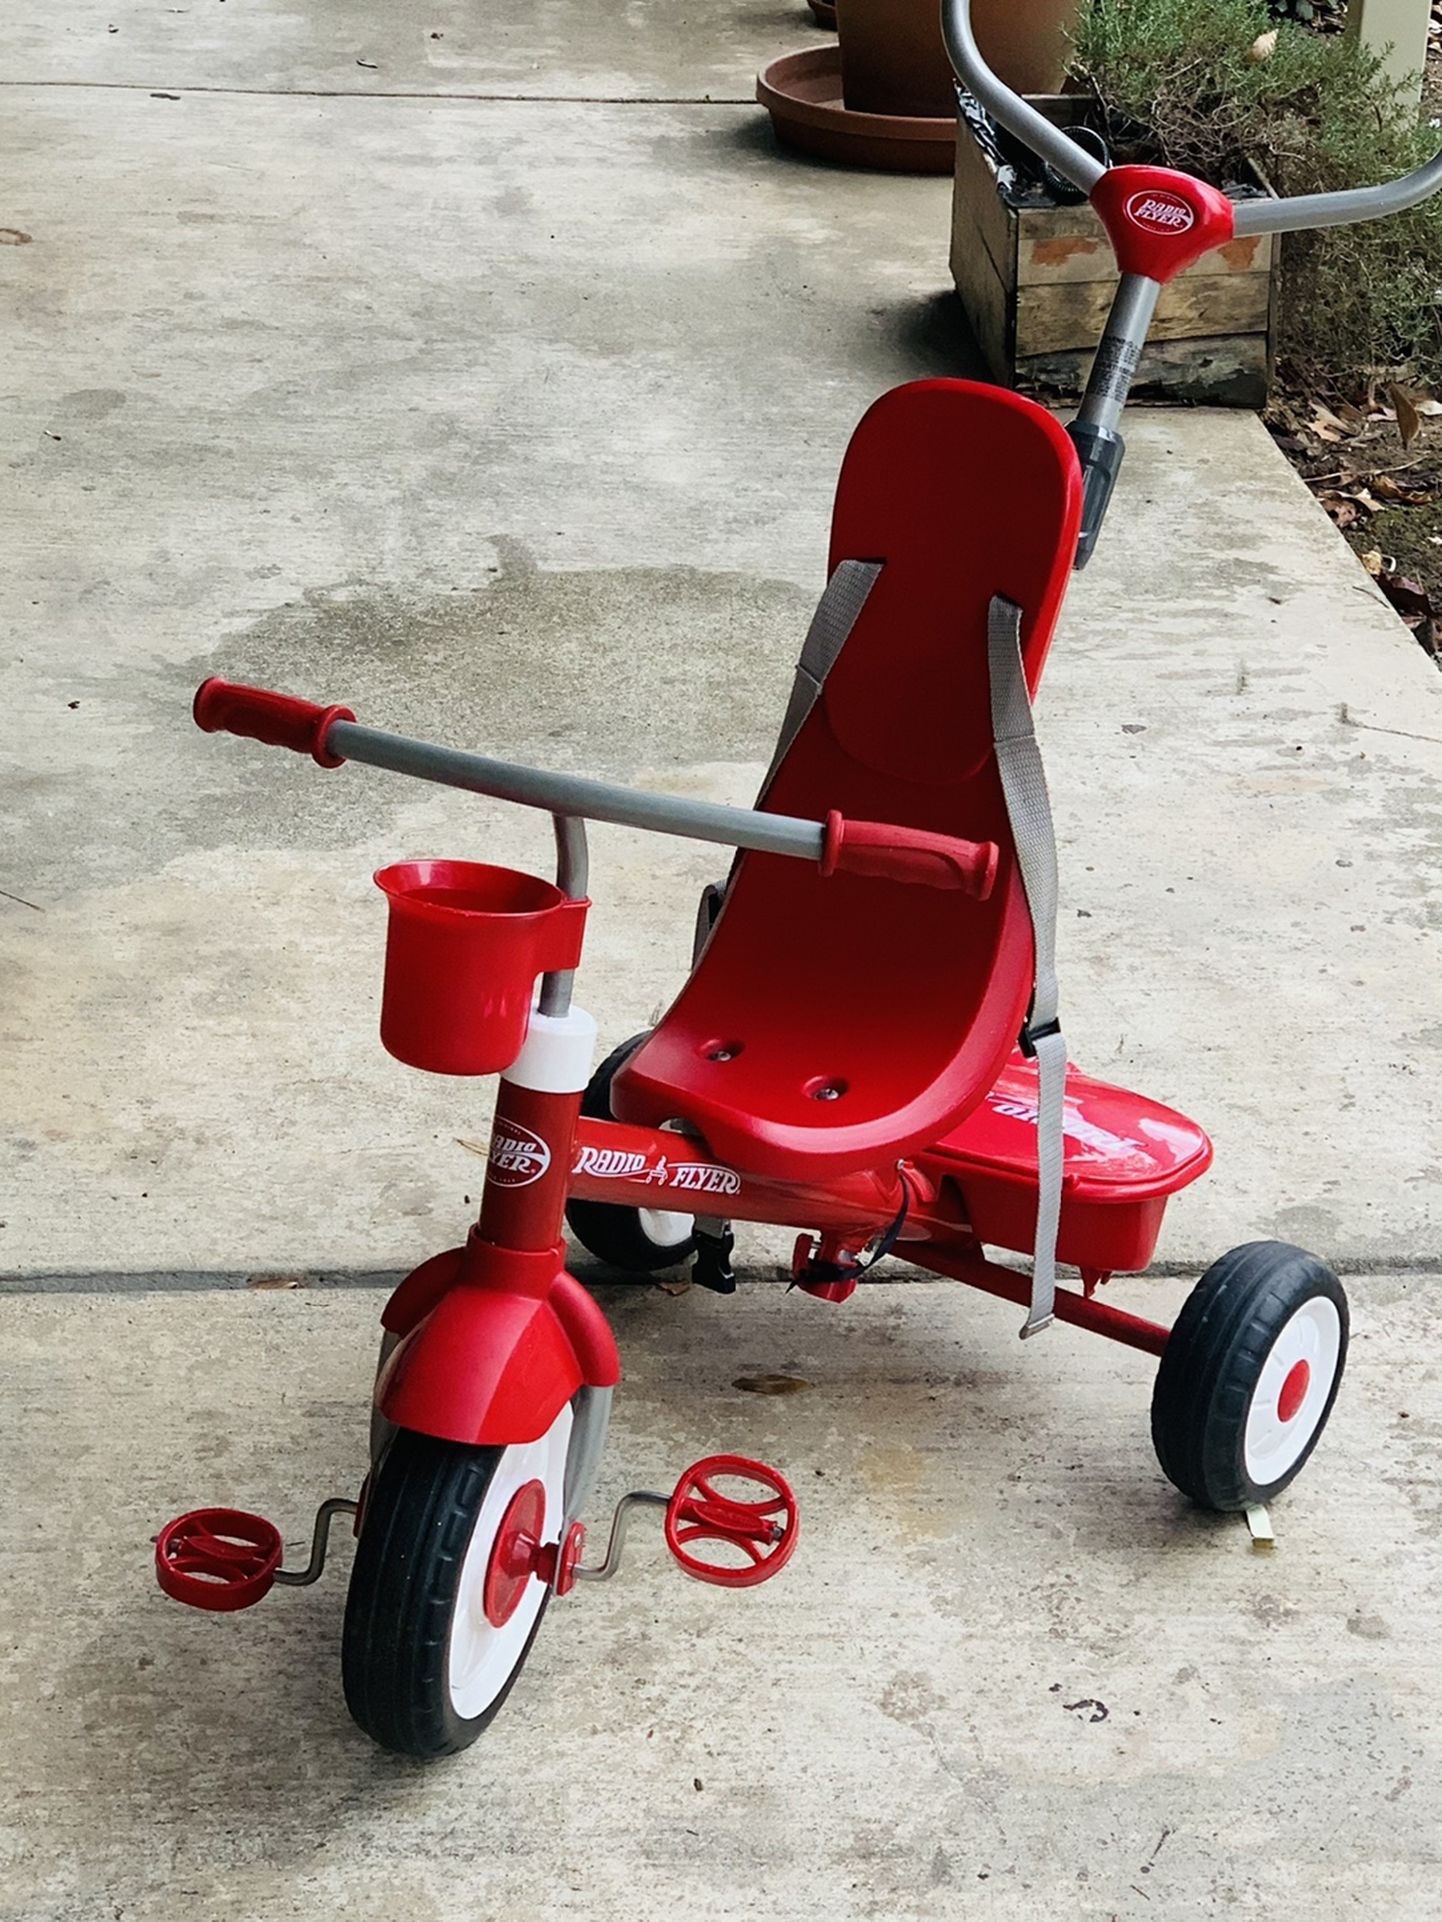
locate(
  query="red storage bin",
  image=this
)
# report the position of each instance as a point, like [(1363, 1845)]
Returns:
[(463, 949)]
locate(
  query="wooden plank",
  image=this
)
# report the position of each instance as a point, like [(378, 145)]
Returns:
[(1044, 255), (1071, 314), (1064, 223), (1047, 253), (978, 210), (1218, 371), (989, 305)]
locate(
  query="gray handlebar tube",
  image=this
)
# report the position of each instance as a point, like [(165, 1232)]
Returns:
[(1072, 162), (575, 795), (1342, 209)]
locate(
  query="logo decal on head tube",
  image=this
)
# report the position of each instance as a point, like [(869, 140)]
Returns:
[(517, 1156), (1160, 212)]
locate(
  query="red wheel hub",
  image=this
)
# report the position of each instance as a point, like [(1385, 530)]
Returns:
[(1294, 1390), (514, 1553), (765, 1531), (218, 1558)]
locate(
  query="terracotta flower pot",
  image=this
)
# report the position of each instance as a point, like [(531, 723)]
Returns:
[(893, 60), (1026, 42)]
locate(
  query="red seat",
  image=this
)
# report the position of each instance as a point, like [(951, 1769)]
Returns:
[(836, 1023)]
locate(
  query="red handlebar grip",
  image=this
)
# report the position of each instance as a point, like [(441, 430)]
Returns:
[(910, 854), (259, 714)]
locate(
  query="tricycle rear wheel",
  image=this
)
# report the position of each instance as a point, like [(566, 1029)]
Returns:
[(425, 1662), (1249, 1375), (637, 1240)]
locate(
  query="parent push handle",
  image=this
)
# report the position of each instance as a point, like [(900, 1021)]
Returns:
[(332, 736), (1287, 214)]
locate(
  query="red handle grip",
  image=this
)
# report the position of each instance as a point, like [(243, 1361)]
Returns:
[(259, 714), (909, 854)]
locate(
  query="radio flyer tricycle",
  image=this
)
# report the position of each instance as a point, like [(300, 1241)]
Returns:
[(905, 1092)]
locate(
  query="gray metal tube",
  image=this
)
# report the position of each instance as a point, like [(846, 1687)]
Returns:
[(573, 862), (1122, 341), (1072, 162), (573, 866), (1343, 208), (574, 794)]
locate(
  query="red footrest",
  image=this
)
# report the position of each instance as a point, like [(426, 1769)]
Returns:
[(218, 1558), (764, 1530)]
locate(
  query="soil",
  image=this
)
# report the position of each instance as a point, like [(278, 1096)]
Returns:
[(1380, 479)]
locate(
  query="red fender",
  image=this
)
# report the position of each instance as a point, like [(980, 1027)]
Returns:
[(494, 1344)]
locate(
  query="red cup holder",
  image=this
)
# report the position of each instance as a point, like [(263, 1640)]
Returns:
[(463, 950), (218, 1558)]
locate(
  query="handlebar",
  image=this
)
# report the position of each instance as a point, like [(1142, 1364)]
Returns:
[(1287, 214), (258, 714), (331, 736)]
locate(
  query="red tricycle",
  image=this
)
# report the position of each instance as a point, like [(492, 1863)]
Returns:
[(867, 1048)]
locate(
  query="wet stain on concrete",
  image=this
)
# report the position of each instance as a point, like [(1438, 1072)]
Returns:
[(604, 671), (92, 403), (911, 1699)]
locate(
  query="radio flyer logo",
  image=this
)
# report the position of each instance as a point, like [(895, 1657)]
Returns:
[(517, 1156)]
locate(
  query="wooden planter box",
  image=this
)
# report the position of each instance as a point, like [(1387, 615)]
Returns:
[(1037, 283)]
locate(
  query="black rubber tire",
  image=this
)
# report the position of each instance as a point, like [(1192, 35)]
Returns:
[(421, 1506), (1212, 1362), (618, 1236)]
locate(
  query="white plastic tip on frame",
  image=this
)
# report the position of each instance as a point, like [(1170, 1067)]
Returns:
[(557, 1055), (1259, 1526)]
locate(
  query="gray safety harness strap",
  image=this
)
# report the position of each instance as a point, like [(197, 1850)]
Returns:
[(1028, 807), (837, 612)]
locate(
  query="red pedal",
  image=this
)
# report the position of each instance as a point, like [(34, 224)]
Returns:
[(765, 1531), (218, 1558)]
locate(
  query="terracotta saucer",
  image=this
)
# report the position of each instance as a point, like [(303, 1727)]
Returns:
[(802, 94)]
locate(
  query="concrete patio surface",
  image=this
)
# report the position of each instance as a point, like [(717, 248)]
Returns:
[(1008, 1674), (496, 384)]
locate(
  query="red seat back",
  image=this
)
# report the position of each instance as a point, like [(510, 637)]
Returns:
[(904, 999)]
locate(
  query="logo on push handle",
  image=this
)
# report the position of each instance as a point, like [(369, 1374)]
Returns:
[(1160, 221), (1160, 212)]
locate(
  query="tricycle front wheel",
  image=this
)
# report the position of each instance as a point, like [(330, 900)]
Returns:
[(1249, 1374), (443, 1607)]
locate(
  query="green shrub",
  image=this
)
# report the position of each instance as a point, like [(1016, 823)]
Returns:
[(1176, 81)]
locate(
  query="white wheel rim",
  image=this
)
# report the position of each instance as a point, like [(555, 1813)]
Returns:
[(665, 1230), (1311, 1338), (481, 1658)]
